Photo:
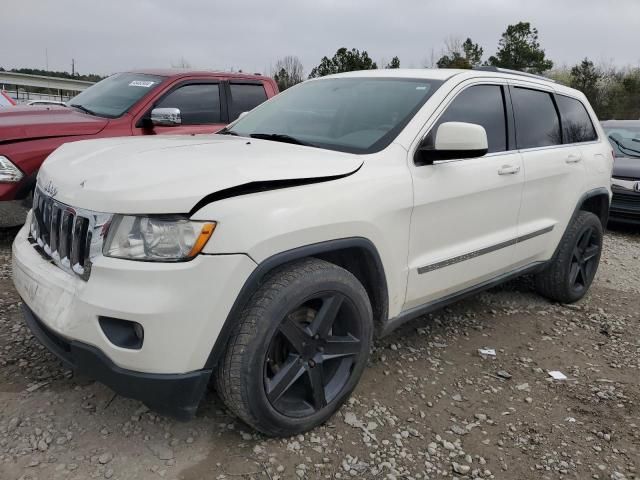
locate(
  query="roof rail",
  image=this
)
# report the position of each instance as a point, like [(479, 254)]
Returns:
[(488, 68)]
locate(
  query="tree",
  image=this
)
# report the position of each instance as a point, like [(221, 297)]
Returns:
[(585, 77), (288, 72), (344, 61), (460, 54), (519, 49), (394, 63)]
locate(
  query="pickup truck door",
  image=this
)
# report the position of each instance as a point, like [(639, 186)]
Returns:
[(202, 105)]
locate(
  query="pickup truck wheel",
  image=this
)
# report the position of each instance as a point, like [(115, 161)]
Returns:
[(298, 349), (569, 276)]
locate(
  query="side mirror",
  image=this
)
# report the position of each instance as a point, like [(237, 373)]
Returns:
[(166, 117), (242, 114), (453, 140)]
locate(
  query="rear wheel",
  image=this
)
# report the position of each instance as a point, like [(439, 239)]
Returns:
[(299, 348), (570, 275)]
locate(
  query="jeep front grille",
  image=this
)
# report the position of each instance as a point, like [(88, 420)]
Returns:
[(70, 237)]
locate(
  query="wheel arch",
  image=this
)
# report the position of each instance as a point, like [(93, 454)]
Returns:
[(596, 201), (358, 255)]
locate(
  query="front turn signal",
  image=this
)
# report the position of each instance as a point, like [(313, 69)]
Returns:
[(203, 238)]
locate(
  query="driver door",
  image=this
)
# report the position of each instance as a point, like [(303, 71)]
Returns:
[(201, 105), (465, 218)]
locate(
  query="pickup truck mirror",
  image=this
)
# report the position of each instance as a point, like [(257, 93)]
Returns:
[(453, 140), (166, 117)]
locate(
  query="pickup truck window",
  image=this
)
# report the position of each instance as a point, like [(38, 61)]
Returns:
[(116, 94), (244, 97), (198, 103), (356, 115)]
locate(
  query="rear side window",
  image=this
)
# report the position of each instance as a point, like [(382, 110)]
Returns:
[(537, 123), (576, 124), (244, 97), (482, 105), (199, 104)]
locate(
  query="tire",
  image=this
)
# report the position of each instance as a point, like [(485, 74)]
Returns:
[(298, 350), (568, 278)]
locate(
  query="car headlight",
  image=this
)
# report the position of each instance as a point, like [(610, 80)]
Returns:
[(8, 171), (162, 239)]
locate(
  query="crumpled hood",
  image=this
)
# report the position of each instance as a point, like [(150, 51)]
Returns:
[(24, 122), (626, 167), (171, 174)]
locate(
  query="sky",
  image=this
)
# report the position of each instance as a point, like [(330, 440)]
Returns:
[(114, 35)]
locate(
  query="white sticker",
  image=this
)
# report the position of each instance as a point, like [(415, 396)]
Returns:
[(141, 83), (421, 88)]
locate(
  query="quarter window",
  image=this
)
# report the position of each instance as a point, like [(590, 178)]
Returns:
[(198, 103), (244, 97), (576, 124), (482, 105), (537, 123)]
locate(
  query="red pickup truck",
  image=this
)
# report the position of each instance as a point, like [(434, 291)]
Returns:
[(144, 102)]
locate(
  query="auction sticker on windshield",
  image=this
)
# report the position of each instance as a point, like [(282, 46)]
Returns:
[(141, 83)]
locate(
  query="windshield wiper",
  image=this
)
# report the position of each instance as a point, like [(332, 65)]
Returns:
[(636, 153), (281, 137), (226, 131), (84, 109)]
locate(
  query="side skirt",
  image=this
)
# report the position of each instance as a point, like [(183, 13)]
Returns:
[(440, 303)]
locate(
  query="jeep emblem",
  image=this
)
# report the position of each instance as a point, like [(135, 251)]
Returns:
[(50, 189)]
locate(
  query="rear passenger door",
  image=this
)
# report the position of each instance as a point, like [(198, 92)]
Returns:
[(244, 95), (553, 170), (465, 216)]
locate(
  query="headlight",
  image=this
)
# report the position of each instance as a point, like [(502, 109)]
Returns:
[(8, 171), (162, 239)]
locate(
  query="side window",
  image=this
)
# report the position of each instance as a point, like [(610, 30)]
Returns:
[(482, 105), (198, 103), (244, 97), (537, 123), (576, 124)]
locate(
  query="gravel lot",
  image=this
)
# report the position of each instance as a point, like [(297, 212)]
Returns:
[(429, 406)]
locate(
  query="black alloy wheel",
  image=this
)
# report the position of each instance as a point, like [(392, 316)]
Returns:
[(312, 354), (584, 261), (298, 348)]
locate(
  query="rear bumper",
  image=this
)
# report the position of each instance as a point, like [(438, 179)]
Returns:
[(176, 395)]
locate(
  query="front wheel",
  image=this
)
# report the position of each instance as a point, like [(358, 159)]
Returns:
[(569, 277), (298, 349)]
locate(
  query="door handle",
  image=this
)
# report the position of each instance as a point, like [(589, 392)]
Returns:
[(508, 170), (573, 158)]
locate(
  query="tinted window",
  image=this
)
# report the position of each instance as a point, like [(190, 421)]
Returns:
[(198, 104), (244, 97), (576, 124), (537, 123), (482, 105)]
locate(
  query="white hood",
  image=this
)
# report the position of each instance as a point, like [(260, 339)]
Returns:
[(170, 174)]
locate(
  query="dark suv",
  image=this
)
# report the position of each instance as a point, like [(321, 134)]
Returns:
[(624, 136)]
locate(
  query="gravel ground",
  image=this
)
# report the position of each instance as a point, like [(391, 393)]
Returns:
[(428, 406)]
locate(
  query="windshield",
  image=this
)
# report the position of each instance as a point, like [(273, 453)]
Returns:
[(624, 139), (356, 115), (116, 94)]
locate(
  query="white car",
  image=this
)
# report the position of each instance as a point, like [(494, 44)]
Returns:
[(266, 257)]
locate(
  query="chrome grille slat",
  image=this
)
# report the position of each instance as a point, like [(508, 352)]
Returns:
[(65, 234)]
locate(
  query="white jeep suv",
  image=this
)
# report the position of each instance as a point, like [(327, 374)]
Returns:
[(265, 257)]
